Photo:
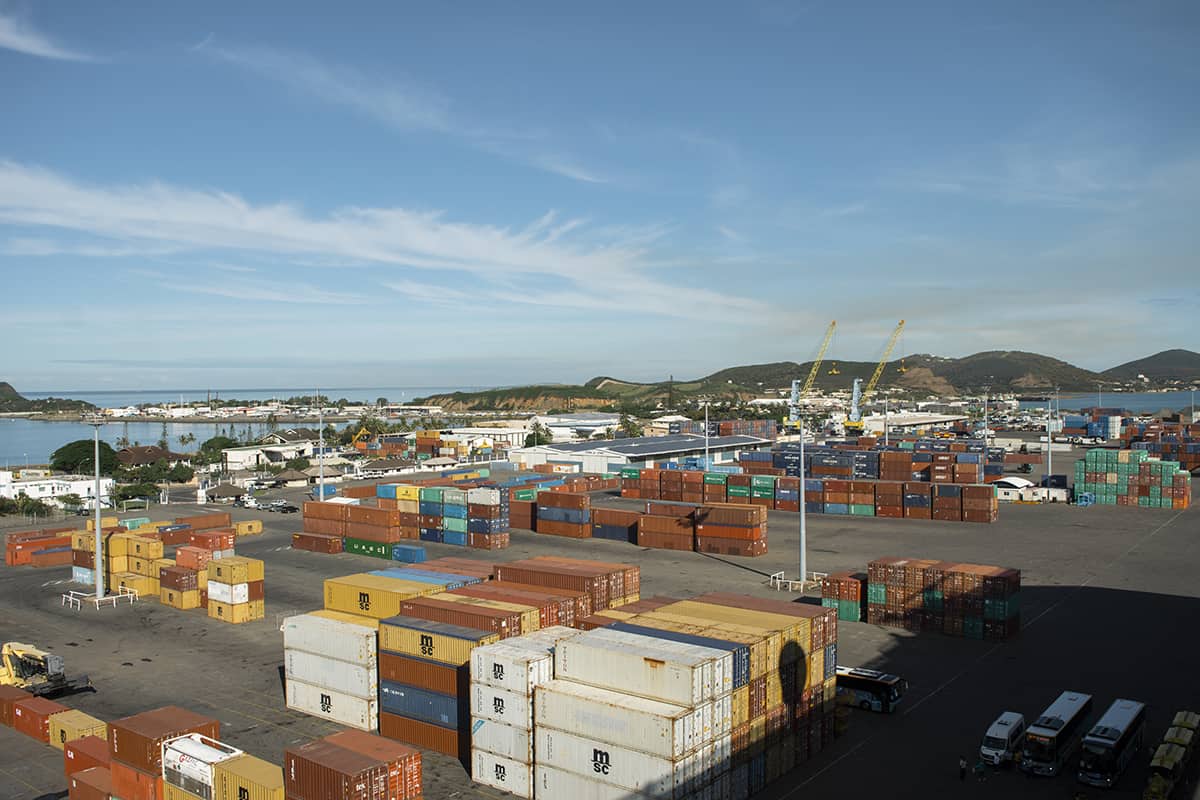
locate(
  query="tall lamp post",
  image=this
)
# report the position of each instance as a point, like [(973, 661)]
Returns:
[(803, 515), (98, 560)]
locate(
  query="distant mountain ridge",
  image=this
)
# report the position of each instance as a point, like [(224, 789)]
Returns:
[(12, 402), (996, 370)]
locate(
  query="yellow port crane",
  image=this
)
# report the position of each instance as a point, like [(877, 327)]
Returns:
[(860, 396), (799, 392)]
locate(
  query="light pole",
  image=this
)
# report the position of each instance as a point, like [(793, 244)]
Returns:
[(885, 420), (1049, 452), (986, 390), (321, 448), (98, 560), (803, 515), (1099, 396), (706, 465)]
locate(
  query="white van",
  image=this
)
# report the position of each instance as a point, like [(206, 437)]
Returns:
[(1003, 738)]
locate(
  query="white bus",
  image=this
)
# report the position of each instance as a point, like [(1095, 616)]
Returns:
[(1052, 737), (1112, 743)]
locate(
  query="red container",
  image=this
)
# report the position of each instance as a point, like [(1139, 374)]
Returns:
[(32, 717), (317, 542), (548, 608), (488, 541), (137, 741), (505, 623), (373, 533), (8, 696), (94, 783), (329, 527), (82, 558), (567, 529), (196, 558), (203, 521), (85, 753), (578, 502), (181, 579), (731, 547), (404, 762), (435, 677), (213, 540), (321, 770), (666, 541), (129, 783), (424, 735)]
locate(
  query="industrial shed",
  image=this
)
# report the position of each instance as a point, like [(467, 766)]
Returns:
[(611, 455)]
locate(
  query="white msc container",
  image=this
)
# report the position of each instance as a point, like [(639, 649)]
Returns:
[(317, 701), (660, 729), (229, 592), (345, 641), (188, 762), (651, 672), (503, 740), (502, 773), (340, 676), (547, 637), (483, 497), (515, 668), (620, 766), (550, 783), (722, 716), (721, 677), (497, 705)]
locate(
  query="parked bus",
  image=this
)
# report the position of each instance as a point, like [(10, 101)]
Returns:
[(1112, 743), (1051, 739), (870, 690)]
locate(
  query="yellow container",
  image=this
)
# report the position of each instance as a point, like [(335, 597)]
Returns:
[(774, 689), (146, 587), (202, 579), (105, 522), (236, 613), (373, 595), (830, 690), (177, 599), (777, 627), (430, 646), (408, 506), (612, 613), (175, 793), (406, 492), (758, 734), (740, 701), (142, 566), (163, 563), (366, 622), (145, 547), (67, 726), (118, 564), (118, 544), (815, 674), (236, 569), (84, 541), (248, 528), (247, 778), (530, 616)]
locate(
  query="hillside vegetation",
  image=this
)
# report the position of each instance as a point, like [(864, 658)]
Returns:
[(12, 402), (1169, 365)]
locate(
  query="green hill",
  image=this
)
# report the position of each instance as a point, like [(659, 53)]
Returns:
[(12, 402), (1169, 365)]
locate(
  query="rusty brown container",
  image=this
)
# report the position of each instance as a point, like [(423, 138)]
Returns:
[(85, 753), (748, 548), (137, 740), (82, 558), (329, 527), (424, 735), (578, 502), (205, 521), (8, 696), (317, 542), (505, 623), (321, 770), (181, 579), (404, 762), (94, 783), (548, 608), (430, 675), (666, 541), (32, 717)]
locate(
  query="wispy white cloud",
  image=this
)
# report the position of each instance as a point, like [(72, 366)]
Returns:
[(34, 247), (17, 34), (158, 214), (233, 268), (400, 103), (730, 234), (276, 292)]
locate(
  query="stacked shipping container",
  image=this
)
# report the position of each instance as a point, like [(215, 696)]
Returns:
[(977, 602), (1133, 478)]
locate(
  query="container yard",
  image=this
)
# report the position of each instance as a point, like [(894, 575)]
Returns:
[(351, 657)]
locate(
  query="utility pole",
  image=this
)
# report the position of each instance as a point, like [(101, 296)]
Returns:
[(1049, 453), (885, 420), (986, 390), (98, 559), (320, 448), (706, 465), (803, 515)]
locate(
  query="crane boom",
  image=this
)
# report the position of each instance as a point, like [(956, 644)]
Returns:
[(816, 367), (887, 351)]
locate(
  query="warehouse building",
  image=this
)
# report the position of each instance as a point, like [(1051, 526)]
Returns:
[(50, 487), (583, 425), (643, 451)]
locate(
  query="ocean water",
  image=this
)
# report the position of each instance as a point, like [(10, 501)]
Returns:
[(120, 399), (1136, 402)]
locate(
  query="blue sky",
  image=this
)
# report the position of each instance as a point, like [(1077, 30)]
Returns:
[(280, 194)]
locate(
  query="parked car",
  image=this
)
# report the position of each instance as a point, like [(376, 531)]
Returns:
[(287, 508)]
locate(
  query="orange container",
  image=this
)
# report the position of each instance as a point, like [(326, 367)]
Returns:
[(32, 717)]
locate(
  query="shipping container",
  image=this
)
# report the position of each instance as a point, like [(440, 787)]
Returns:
[(431, 675), (130, 782), (67, 726), (317, 701), (32, 717), (188, 761), (509, 741), (325, 671), (372, 595), (433, 641), (421, 704), (646, 671), (618, 765), (425, 735), (403, 762), (514, 665), (342, 636), (245, 777), (137, 740), (93, 783), (506, 774), (80, 754), (323, 771), (236, 613)]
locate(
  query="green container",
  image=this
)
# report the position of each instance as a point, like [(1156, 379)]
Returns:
[(829, 602), (763, 481), (908, 445), (876, 593), (716, 478), (525, 494), (932, 600), (759, 491), (862, 510), (995, 610), (973, 627), (849, 610), (632, 473), (454, 524), (362, 547), (431, 494), (739, 491)]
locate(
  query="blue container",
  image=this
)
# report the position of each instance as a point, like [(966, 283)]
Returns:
[(387, 490), (455, 537), (741, 652), (409, 701), (428, 508), (830, 660), (454, 512), (417, 576), (408, 553), (814, 507), (615, 533), (916, 501), (574, 516), (487, 525), (430, 535), (813, 486), (330, 491), (837, 508)]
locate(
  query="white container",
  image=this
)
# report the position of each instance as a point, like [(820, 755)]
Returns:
[(720, 678), (616, 765), (503, 740), (83, 575), (341, 676), (483, 497), (188, 762), (651, 672), (503, 773), (722, 716), (344, 641), (229, 592), (660, 729), (498, 705), (550, 783), (514, 667), (316, 701), (545, 637)]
